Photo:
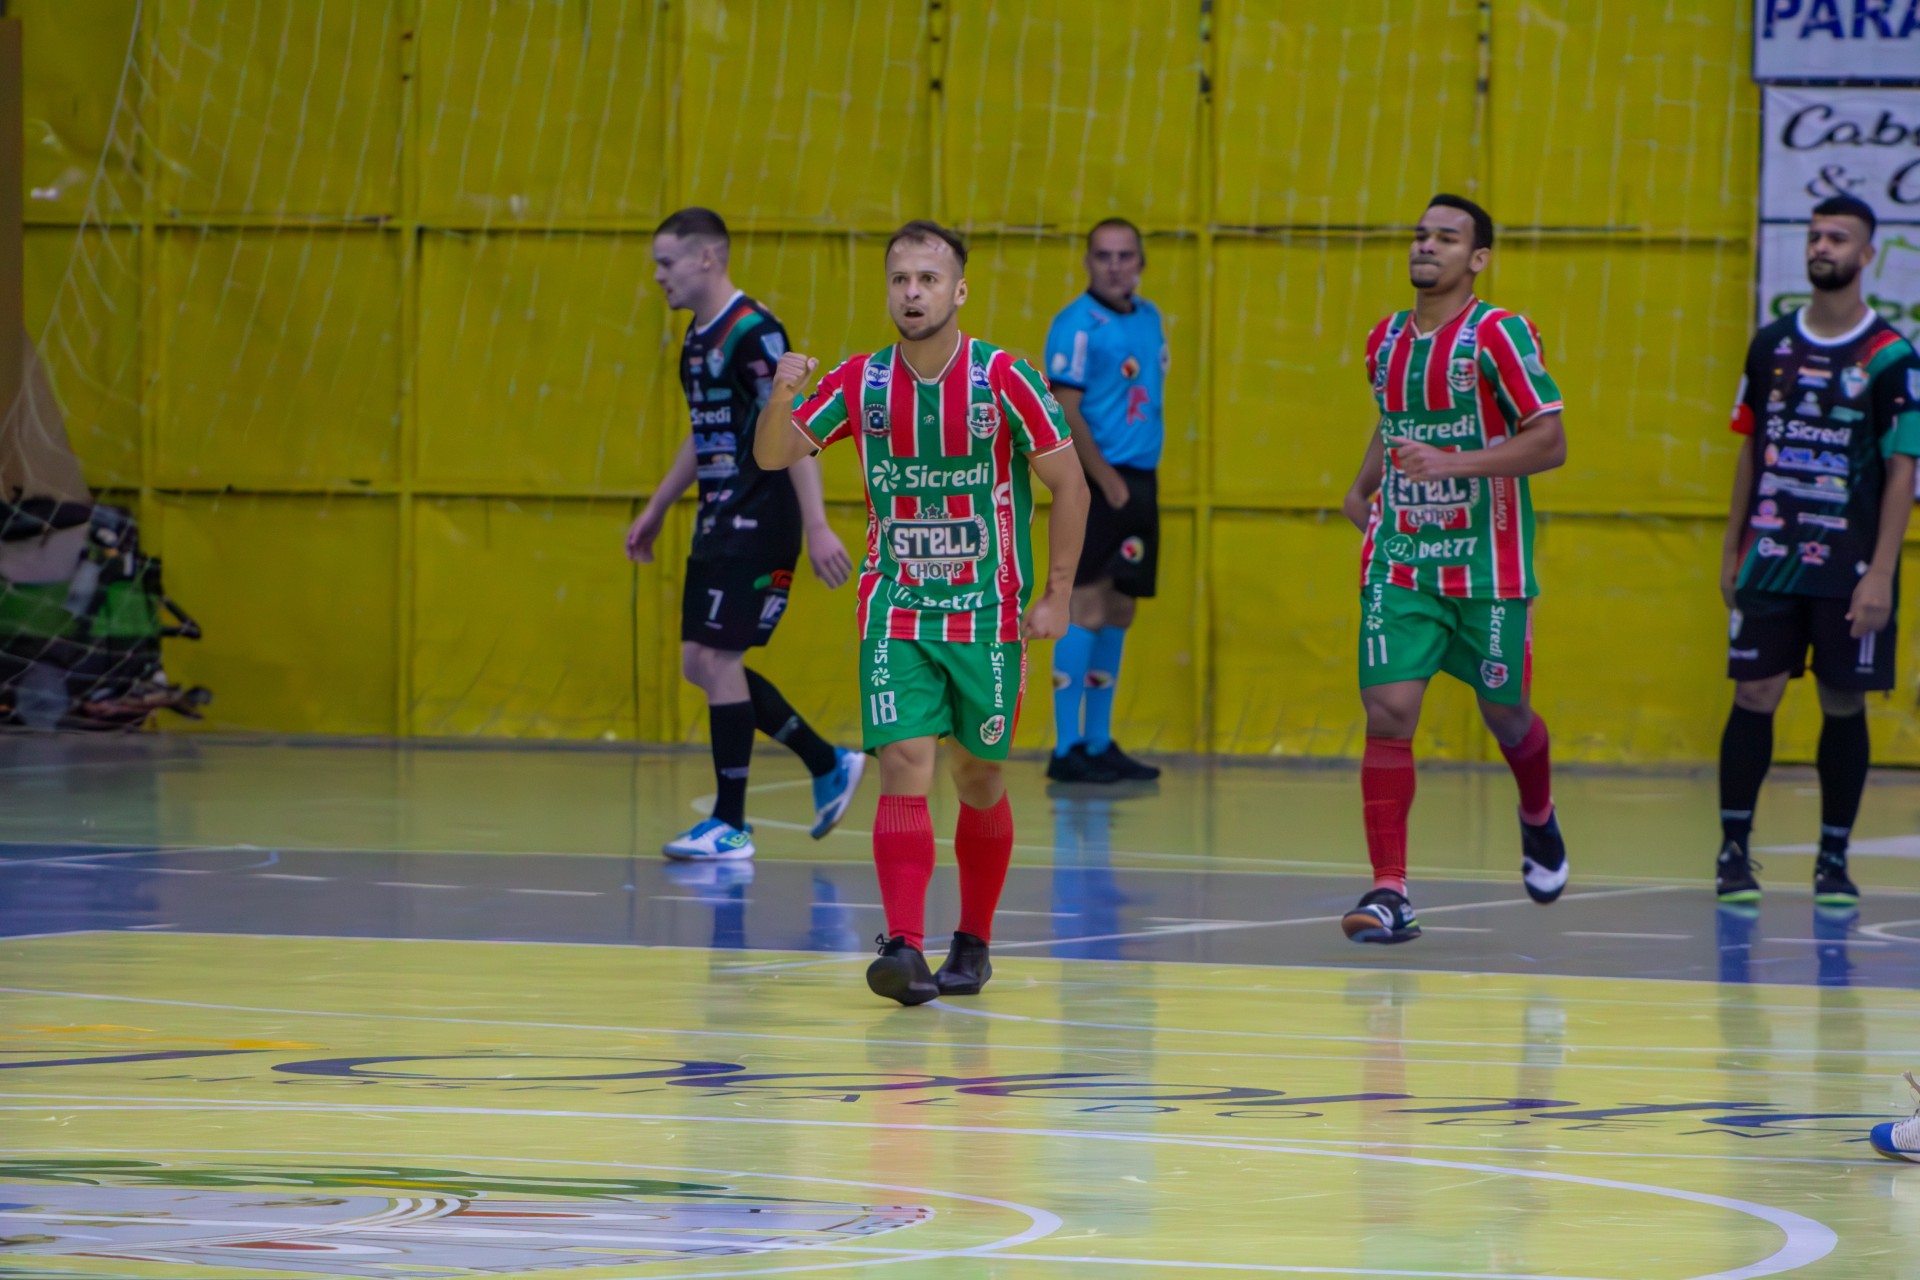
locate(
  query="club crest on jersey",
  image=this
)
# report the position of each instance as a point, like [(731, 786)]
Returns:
[(983, 420), (1460, 374), (716, 362), (1493, 674), (1133, 550), (1130, 368), (878, 376), (876, 421), (994, 729)]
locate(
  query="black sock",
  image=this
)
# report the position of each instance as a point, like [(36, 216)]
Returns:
[(1746, 753), (779, 721), (1842, 762), (731, 727)]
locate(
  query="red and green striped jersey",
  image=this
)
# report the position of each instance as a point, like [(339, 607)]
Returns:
[(949, 493), (1471, 384)]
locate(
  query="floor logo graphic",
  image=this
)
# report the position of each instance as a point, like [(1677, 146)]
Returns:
[(429, 1224)]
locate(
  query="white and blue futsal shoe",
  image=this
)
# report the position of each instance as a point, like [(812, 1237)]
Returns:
[(833, 792), (1900, 1139), (710, 840)]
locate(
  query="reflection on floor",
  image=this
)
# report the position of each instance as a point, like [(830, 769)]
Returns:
[(334, 1011)]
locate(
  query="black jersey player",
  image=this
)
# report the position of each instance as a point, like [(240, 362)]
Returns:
[(748, 529), (1830, 408)]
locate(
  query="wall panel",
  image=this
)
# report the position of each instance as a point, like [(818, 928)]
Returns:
[(79, 127), (1056, 121), (297, 599), (543, 363), (279, 358), (278, 107), (1343, 114), (533, 112), (809, 114), (1631, 118), (527, 621)]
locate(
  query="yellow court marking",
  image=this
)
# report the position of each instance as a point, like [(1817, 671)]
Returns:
[(1101, 1115)]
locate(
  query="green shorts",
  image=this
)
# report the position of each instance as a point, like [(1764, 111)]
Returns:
[(1410, 635), (933, 688)]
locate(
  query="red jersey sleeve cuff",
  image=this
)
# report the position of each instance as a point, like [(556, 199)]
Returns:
[(1066, 442), (812, 439), (1555, 407)]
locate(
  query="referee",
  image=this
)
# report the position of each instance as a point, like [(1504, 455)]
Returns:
[(1107, 363)]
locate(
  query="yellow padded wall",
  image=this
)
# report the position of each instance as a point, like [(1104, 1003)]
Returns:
[(280, 357), (278, 106), (1342, 113), (1622, 117), (527, 621), (533, 111), (1646, 342), (543, 364), (1060, 114), (297, 598), (92, 280), (807, 114), (79, 147)]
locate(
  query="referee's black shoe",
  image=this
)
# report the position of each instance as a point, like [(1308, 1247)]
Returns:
[(1075, 765), (901, 973), (1124, 766), (967, 968)]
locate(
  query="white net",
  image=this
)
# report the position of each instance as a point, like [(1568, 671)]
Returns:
[(350, 302)]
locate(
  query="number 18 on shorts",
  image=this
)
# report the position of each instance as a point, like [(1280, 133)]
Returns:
[(1411, 635), (968, 690)]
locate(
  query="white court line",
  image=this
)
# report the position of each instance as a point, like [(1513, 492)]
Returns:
[(84, 858), (1898, 1054), (414, 884), (559, 893), (1879, 931), (1807, 1240), (1603, 933), (281, 875), (1453, 928), (1224, 926)]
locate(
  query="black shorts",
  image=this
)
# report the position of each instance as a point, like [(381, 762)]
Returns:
[(1123, 546), (733, 604), (1772, 632)]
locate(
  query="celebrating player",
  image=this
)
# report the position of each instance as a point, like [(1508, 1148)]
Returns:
[(947, 428), (1830, 404), (746, 537), (1467, 413), (1107, 360)]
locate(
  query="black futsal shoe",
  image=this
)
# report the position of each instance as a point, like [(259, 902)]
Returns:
[(1381, 916), (901, 973), (1124, 766), (1831, 887), (967, 968), (1543, 859), (1077, 766), (1733, 875)]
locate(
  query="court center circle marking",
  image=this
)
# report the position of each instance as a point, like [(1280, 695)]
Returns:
[(1807, 1240)]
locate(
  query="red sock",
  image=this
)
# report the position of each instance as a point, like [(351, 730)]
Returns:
[(983, 844), (1532, 767), (1386, 792), (903, 857)]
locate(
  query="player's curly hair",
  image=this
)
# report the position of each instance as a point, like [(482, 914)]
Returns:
[(1482, 220), (925, 230)]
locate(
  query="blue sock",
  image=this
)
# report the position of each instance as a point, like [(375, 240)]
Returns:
[(1103, 673), (1069, 684)]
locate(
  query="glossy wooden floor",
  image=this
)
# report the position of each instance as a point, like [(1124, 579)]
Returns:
[(284, 1011)]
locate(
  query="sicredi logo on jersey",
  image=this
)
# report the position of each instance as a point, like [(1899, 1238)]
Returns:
[(893, 476)]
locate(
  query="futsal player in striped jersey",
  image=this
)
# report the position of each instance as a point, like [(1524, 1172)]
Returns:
[(950, 432), (1467, 411)]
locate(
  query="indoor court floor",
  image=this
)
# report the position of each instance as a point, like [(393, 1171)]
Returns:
[(288, 1010)]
